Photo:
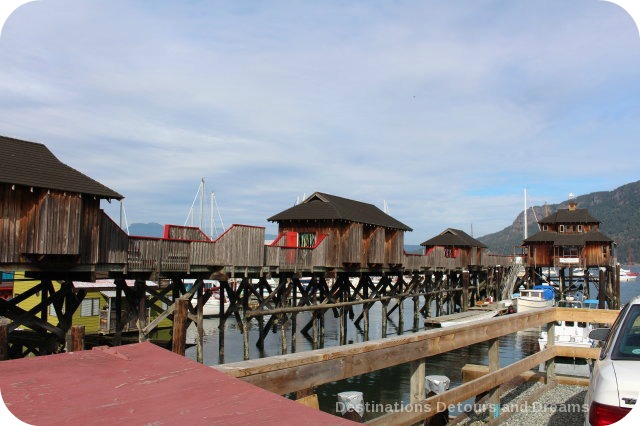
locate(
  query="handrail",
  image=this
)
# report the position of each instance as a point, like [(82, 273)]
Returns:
[(293, 372)]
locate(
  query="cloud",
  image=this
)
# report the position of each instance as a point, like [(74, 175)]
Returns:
[(445, 110)]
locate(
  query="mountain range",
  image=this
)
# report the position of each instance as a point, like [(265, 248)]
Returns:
[(618, 212)]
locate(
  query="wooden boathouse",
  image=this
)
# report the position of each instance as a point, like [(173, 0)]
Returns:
[(356, 234), (570, 240)]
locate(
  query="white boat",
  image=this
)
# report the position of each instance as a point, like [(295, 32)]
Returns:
[(211, 307), (459, 318), (627, 276), (539, 297), (572, 334), (475, 316)]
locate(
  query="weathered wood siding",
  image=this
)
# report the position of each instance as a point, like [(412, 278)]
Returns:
[(189, 233), (13, 232), (394, 246), (373, 245), (202, 253), (54, 223), (174, 255), (41, 222), (540, 255), (595, 256), (114, 242), (240, 245), (352, 239), (144, 253)]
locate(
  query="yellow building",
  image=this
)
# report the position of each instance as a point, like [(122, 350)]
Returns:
[(97, 310)]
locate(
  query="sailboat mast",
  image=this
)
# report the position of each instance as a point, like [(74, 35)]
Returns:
[(525, 214)]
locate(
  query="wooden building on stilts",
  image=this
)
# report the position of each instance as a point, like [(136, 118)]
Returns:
[(461, 258), (570, 243)]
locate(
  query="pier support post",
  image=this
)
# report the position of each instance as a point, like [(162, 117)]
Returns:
[(141, 320), (4, 339), (550, 365), (200, 326), (494, 365), (179, 341), (465, 291), (117, 339), (417, 382), (602, 288), (75, 343)]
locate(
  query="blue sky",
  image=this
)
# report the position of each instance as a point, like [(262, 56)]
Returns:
[(445, 109)]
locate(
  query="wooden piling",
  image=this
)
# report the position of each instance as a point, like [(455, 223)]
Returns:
[(200, 326), (417, 381), (494, 365), (117, 338), (602, 289), (465, 291), (77, 338), (179, 340), (141, 320), (550, 365), (4, 339)]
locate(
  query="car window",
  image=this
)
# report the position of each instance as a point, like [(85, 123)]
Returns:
[(614, 328), (627, 343)]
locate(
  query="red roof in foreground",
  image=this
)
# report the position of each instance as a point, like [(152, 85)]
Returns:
[(140, 384)]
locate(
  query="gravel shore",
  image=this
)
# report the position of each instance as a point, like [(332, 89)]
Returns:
[(562, 405)]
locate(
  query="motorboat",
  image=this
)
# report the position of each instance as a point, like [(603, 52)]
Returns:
[(627, 276), (573, 334), (538, 297)]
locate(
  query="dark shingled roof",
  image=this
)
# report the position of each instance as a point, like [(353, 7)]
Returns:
[(568, 239), (453, 237), (568, 216), (32, 164), (321, 207)]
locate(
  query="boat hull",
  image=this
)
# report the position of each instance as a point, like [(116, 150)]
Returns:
[(527, 305)]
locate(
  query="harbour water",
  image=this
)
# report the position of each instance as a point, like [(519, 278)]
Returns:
[(389, 386)]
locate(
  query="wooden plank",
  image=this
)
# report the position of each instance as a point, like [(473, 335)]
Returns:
[(473, 371), (601, 316)]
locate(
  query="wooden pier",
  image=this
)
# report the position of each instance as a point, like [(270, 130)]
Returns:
[(52, 228)]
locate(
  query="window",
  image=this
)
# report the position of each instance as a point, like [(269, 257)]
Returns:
[(561, 228), (604, 249), (579, 228), (306, 239), (90, 307), (570, 251), (545, 227), (451, 252)]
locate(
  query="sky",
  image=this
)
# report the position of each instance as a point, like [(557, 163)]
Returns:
[(444, 110)]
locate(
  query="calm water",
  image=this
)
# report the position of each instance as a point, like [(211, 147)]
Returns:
[(384, 386)]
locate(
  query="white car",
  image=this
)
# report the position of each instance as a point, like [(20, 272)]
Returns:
[(615, 380)]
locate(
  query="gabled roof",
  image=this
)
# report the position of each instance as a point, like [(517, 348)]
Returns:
[(453, 237), (325, 207), (568, 216), (561, 239), (32, 164)]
